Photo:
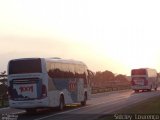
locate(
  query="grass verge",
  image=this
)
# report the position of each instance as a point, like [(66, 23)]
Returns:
[(3, 104), (149, 107)]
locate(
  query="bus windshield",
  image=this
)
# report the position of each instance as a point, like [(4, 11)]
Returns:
[(25, 66)]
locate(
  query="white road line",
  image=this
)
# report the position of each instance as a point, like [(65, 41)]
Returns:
[(92, 106), (67, 111), (78, 109), (4, 108), (13, 112), (19, 112)]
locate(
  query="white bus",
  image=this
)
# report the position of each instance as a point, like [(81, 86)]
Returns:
[(144, 79), (39, 82)]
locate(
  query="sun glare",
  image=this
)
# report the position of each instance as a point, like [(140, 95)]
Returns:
[(121, 36)]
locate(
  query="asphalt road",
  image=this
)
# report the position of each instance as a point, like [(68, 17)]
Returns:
[(98, 105)]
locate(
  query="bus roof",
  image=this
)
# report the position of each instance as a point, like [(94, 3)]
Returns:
[(23, 59), (55, 59), (59, 60), (144, 69)]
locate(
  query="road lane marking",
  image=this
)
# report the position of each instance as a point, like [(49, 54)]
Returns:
[(80, 108), (120, 98), (11, 108), (4, 108), (137, 100), (19, 112), (67, 111)]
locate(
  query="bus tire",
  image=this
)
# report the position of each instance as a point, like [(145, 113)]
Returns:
[(155, 89), (83, 103), (136, 91), (31, 111), (150, 89), (61, 103)]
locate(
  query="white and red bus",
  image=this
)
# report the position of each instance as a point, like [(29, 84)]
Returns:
[(144, 79), (38, 82)]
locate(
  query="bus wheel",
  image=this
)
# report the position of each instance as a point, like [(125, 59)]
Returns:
[(31, 111), (83, 103), (155, 89), (61, 103), (151, 88), (136, 91)]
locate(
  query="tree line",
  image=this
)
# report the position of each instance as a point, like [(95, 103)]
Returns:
[(109, 79), (3, 85)]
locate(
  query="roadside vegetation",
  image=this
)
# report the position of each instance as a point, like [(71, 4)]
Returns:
[(107, 81), (3, 90), (149, 106)]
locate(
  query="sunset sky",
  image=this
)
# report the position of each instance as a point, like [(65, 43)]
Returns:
[(115, 35)]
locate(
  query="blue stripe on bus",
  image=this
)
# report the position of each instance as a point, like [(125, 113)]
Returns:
[(63, 83)]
